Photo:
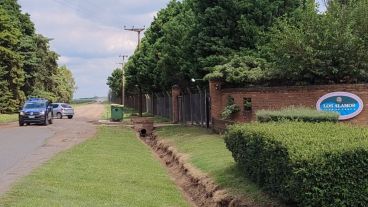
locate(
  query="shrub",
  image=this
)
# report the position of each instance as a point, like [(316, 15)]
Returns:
[(312, 164), (296, 114), (230, 109)]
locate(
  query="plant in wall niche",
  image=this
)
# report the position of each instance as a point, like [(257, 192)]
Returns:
[(247, 104), (230, 109)]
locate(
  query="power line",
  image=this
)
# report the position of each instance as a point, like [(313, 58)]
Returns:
[(75, 6)]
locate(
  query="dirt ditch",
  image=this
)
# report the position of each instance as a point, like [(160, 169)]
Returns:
[(201, 189)]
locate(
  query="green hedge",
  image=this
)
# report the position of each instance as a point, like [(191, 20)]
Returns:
[(311, 164), (296, 114)]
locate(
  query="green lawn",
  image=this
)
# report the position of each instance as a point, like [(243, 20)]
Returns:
[(113, 169), (5, 118), (208, 153)]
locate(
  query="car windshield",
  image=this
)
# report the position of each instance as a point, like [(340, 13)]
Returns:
[(66, 106), (34, 105)]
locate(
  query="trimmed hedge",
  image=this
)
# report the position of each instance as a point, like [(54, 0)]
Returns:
[(309, 164), (296, 114)]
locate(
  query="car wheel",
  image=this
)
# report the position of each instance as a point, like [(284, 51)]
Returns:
[(50, 120), (70, 117), (28, 124), (21, 123), (46, 121), (59, 115)]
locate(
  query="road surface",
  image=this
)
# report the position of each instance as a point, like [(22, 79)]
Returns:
[(23, 149)]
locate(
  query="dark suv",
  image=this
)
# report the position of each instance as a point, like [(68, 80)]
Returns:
[(36, 110)]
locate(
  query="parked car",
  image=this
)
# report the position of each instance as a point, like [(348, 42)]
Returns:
[(62, 109), (36, 110)]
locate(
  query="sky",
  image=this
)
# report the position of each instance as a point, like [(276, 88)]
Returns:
[(88, 35)]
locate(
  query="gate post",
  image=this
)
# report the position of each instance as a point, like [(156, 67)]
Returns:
[(175, 93), (215, 99)]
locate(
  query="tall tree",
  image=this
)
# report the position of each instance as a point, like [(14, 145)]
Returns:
[(313, 48), (11, 73), (64, 85), (27, 65), (114, 81)]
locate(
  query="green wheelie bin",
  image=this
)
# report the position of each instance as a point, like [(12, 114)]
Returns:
[(117, 112)]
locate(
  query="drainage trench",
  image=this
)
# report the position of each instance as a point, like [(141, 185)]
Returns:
[(201, 189)]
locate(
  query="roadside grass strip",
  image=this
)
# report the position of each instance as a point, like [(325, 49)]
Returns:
[(113, 169), (107, 112), (207, 152), (6, 118)]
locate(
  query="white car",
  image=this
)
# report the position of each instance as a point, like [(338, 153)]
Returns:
[(62, 109)]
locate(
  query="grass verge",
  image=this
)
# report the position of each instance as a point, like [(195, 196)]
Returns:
[(208, 153), (114, 169), (107, 112), (6, 118)]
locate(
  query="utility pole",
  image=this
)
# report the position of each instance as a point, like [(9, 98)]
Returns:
[(123, 79), (138, 31)]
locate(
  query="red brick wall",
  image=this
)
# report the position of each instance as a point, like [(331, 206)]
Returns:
[(281, 97)]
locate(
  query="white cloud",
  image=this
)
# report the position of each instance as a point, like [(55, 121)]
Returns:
[(90, 74), (89, 35), (82, 37)]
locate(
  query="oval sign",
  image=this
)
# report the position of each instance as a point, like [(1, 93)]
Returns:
[(348, 105)]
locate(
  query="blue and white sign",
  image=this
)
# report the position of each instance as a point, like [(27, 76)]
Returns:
[(348, 105)]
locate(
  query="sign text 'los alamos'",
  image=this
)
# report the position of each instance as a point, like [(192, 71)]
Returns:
[(348, 105)]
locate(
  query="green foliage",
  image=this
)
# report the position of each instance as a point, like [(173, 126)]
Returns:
[(44, 94), (312, 164), (11, 73), (230, 109), (188, 38), (64, 84), (27, 65), (247, 104), (245, 42), (163, 58), (6, 118), (241, 70), (224, 27), (296, 114), (314, 48), (115, 82)]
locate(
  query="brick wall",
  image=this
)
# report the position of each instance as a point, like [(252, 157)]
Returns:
[(281, 97)]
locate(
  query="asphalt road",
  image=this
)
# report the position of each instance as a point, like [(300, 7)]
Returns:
[(18, 143), (22, 149)]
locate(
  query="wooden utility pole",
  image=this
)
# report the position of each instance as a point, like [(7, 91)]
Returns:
[(123, 79), (138, 31)]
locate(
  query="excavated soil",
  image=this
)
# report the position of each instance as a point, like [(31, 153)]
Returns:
[(199, 187)]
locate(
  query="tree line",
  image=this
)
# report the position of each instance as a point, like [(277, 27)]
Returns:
[(247, 43), (28, 67)]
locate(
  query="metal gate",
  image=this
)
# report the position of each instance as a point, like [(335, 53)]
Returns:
[(162, 105), (194, 108)]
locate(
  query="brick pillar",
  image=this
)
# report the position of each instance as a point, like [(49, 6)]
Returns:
[(175, 93), (216, 101)]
